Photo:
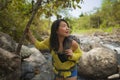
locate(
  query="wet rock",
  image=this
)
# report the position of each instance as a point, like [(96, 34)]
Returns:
[(98, 63), (6, 42)]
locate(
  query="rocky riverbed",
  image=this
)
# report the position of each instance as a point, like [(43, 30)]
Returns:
[(36, 66), (99, 39)]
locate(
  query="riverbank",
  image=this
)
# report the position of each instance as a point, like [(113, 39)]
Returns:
[(93, 30)]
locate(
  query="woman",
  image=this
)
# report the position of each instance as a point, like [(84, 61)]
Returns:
[(65, 51)]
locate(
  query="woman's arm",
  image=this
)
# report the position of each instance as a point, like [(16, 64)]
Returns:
[(41, 45), (31, 37), (75, 53)]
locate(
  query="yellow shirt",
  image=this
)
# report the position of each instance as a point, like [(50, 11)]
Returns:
[(57, 63)]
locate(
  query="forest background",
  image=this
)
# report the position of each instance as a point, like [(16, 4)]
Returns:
[(14, 15)]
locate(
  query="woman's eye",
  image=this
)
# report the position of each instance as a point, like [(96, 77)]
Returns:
[(64, 25)]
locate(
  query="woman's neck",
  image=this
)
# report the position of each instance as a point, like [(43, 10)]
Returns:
[(61, 39)]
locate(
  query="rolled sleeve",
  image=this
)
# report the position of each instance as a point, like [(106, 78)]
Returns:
[(76, 55), (42, 45)]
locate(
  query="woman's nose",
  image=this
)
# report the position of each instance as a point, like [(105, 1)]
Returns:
[(68, 28)]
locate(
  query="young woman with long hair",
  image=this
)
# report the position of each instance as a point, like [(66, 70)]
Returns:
[(64, 50)]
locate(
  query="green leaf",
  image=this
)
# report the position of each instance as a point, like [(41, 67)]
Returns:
[(77, 1), (74, 6), (79, 6)]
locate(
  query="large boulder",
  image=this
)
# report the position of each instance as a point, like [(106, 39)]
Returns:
[(9, 66), (115, 46), (98, 63)]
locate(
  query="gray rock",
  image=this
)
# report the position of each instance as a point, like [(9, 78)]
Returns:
[(89, 42), (36, 65), (25, 51), (6, 42), (98, 63), (42, 76), (115, 47)]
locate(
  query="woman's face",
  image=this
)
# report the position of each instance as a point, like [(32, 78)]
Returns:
[(63, 29)]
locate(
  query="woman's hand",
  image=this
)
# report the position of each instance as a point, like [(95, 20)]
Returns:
[(29, 33), (31, 37), (69, 52)]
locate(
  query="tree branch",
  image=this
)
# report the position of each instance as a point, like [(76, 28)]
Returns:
[(36, 7)]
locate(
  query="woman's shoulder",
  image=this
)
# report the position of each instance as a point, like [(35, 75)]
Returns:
[(74, 45)]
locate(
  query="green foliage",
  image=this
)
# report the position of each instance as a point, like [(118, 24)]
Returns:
[(55, 7), (4, 3), (109, 30), (106, 18), (14, 15), (13, 18), (40, 27), (88, 31), (77, 24), (95, 21), (110, 12)]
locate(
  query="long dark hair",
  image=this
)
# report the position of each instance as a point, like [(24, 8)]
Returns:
[(54, 43)]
